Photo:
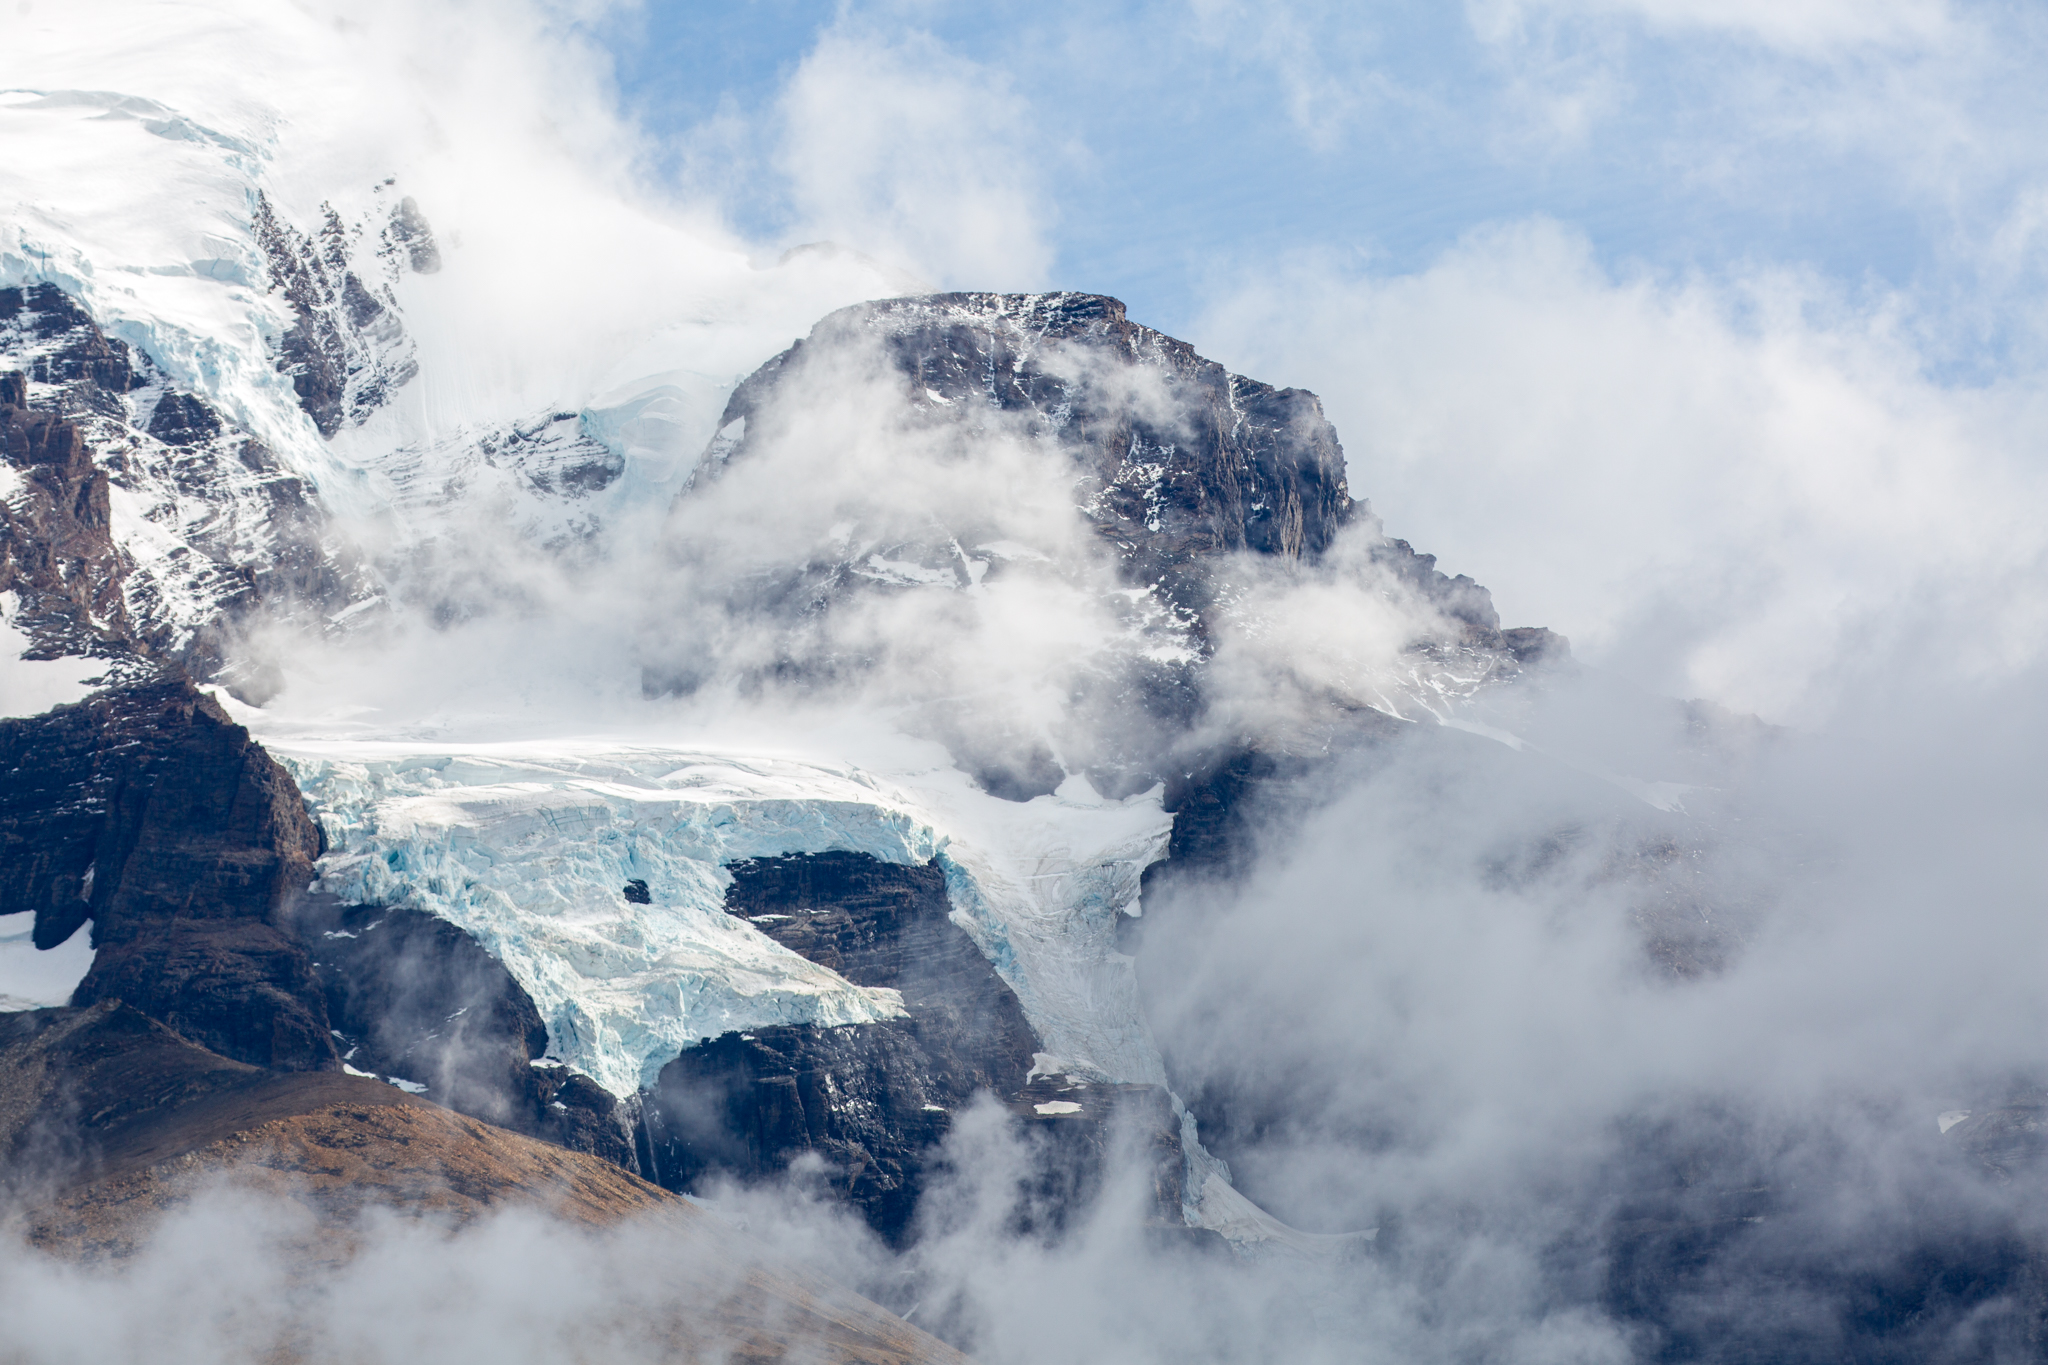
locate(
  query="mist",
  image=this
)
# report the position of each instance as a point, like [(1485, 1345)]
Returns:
[(1722, 919)]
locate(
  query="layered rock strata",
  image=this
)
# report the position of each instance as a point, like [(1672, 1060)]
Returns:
[(137, 522)]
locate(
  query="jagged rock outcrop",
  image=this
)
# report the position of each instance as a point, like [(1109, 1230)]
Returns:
[(410, 233), (1196, 462), (216, 527), (871, 1099), (346, 352), (181, 419), (57, 552), (152, 814), (543, 469), (1177, 460), (62, 346), (414, 997)]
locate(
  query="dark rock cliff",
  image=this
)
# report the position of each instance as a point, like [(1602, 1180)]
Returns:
[(152, 814), (413, 998), (872, 1101), (872, 1098), (1179, 468), (57, 550), (1209, 463), (67, 346), (1178, 461)]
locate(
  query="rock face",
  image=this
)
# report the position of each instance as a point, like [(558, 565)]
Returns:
[(1208, 463), (346, 352), (62, 344), (109, 1121), (155, 816), (2008, 1138), (412, 998), (145, 526), (539, 476), (1178, 467), (57, 550), (1716, 1243), (151, 814), (97, 1092), (873, 1100), (1177, 461)]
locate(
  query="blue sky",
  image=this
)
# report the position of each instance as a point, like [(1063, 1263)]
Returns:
[(1877, 144)]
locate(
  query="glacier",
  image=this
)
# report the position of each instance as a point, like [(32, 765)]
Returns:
[(528, 846)]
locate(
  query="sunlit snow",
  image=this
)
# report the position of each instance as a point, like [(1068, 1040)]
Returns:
[(30, 979), (29, 687)]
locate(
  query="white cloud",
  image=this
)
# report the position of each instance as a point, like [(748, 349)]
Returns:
[(1729, 488), (1319, 58), (901, 148), (1808, 27)]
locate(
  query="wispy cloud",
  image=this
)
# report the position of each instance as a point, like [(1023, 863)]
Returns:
[(900, 147)]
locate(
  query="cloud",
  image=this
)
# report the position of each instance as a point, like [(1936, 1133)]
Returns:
[(900, 147), (1722, 486), (232, 1275), (1320, 56), (1429, 1008), (1775, 113), (1739, 483), (1806, 27)]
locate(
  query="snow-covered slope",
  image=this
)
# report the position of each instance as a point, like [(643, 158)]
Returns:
[(364, 287)]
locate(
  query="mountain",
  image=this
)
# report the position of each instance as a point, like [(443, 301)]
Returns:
[(737, 764), (1173, 472)]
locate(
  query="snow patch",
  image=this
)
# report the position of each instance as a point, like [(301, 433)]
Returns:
[(29, 687), (34, 979)]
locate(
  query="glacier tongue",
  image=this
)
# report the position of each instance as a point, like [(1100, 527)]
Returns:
[(529, 846)]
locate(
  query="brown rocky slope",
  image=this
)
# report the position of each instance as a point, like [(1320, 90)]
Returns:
[(110, 1123)]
